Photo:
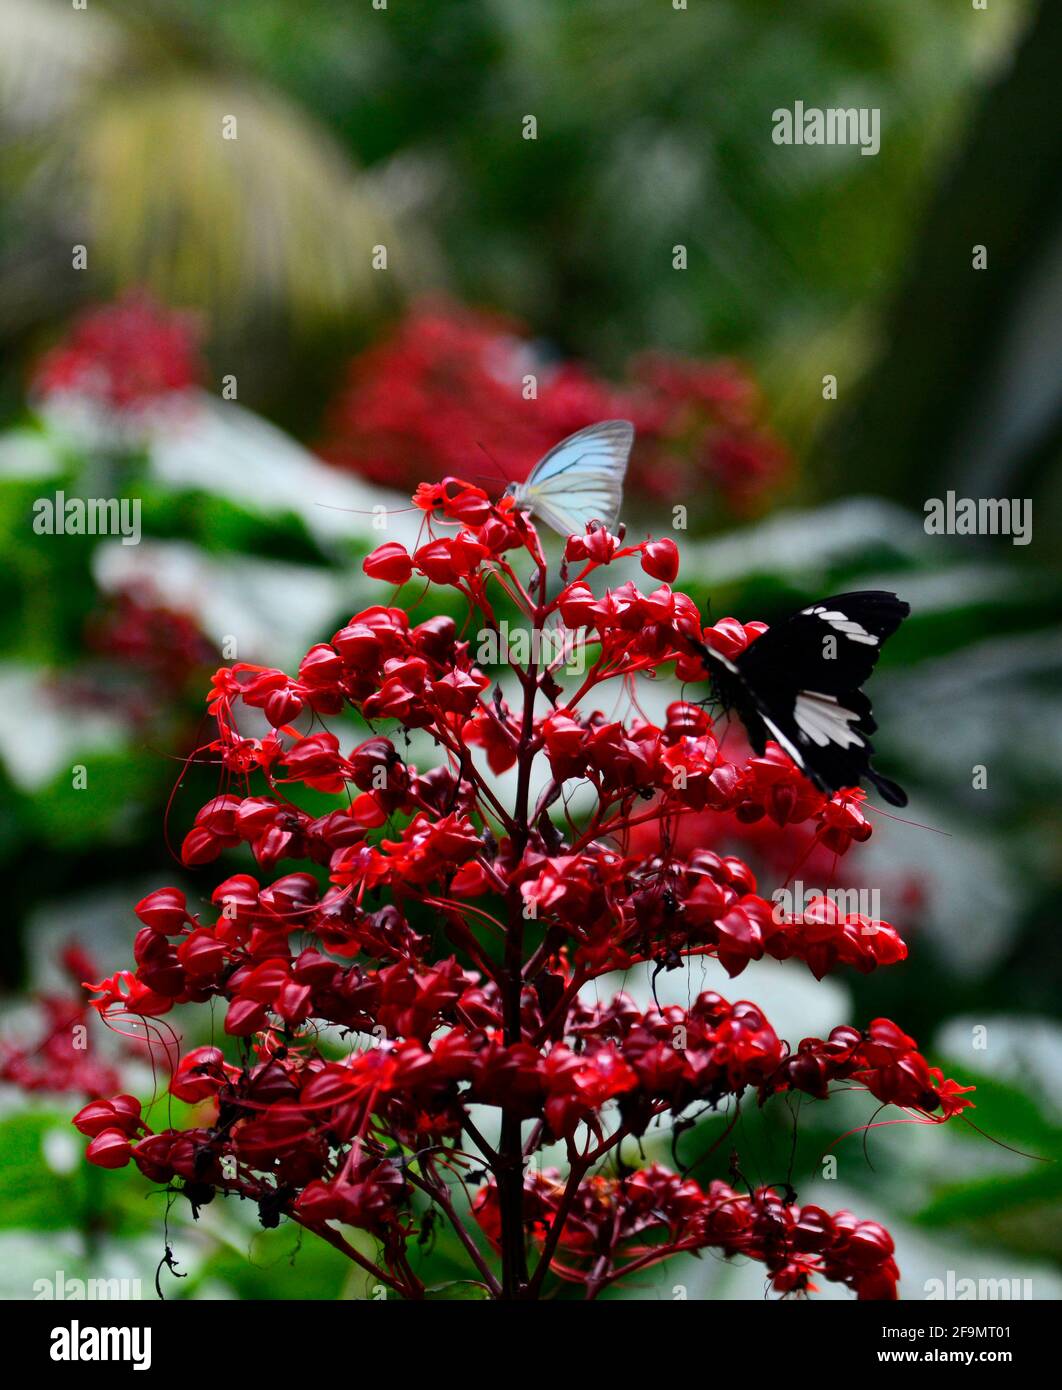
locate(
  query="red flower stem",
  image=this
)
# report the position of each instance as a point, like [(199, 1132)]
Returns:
[(560, 1009), (617, 825), (598, 677), (467, 767), (439, 1193), (534, 1139), (549, 944), (465, 938), (577, 1171), (509, 1161), (344, 1247), (592, 679), (458, 908), (487, 1150), (509, 1169), (415, 1289), (579, 1166), (525, 603), (651, 1257)]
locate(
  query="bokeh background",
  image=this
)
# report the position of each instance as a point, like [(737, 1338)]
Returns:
[(268, 336)]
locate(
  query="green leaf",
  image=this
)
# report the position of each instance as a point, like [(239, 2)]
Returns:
[(459, 1290), (987, 1199), (34, 1196), (121, 787), (286, 1263)]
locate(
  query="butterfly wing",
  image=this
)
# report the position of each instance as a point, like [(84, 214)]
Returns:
[(837, 641), (800, 684), (580, 479)]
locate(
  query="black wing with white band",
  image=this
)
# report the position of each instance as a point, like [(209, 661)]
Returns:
[(800, 684)]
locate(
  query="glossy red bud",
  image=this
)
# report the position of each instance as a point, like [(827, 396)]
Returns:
[(389, 562), (164, 910), (661, 559), (110, 1149)]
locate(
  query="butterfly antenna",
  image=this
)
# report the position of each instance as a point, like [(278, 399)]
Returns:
[(889, 815), (497, 466), (364, 511), (1037, 1158)]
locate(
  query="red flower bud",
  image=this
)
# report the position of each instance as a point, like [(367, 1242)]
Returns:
[(201, 1074), (389, 562), (282, 707), (110, 1149), (163, 911), (200, 846), (122, 1114), (661, 559)]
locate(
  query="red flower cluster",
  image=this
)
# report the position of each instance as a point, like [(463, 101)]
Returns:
[(447, 923), (449, 386), (59, 1061), (143, 659), (122, 356), (133, 629), (702, 422), (613, 1227)]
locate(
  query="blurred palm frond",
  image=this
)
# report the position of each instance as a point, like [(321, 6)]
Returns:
[(217, 193)]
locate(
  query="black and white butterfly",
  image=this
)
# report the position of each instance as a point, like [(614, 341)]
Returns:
[(800, 683)]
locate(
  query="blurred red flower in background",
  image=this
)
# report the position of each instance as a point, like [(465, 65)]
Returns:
[(137, 630), (122, 355), (701, 422), (451, 391), (141, 658), (447, 393), (58, 1060)]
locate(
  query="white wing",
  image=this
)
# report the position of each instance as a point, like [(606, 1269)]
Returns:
[(580, 479)]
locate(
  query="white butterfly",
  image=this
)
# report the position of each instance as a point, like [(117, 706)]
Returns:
[(580, 479)]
